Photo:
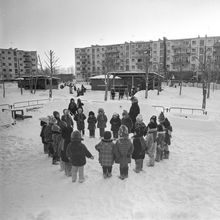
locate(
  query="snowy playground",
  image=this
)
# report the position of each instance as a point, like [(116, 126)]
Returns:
[(187, 186)]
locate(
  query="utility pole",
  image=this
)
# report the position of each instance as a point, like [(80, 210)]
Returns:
[(147, 54)]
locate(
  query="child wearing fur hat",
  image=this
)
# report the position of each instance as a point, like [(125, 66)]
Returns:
[(126, 120), (106, 158), (92, 120), (80, 120), (123, 151), (168, 131), (115, 124), (139, 149), (152, 134), (160, 143), (102, 120), (76, 153)]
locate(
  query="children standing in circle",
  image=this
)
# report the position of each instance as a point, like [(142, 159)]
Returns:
[(102, 120)]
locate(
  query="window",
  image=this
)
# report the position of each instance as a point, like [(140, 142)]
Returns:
[(201, 42), (3, 52), (133, 60), (201, 50), (9, 52), (3, 58), (193, 42), (5, 76), (3, 64), (9, 64), (4, 70), (10, 70), (133, 67), (9, 58), (78, 68), (10, 75), (20, 58), (193, 50)]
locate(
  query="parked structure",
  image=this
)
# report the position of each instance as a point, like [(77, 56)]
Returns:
[(165, 56), (15, 63)]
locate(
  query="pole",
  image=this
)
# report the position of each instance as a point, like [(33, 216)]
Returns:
[(19, 73), (3, 88), (51, 73)]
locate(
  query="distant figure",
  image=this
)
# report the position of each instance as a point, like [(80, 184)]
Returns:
[(112, 94), (71, 88), (121, 93), (79, 104), (126, 93)]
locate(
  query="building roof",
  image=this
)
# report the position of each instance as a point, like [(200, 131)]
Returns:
[(35, 76), (103, 77), (133, 73)]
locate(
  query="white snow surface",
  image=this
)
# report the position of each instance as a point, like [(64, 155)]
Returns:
[(187, 186)]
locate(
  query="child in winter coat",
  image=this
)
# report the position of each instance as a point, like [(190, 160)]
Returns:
[(106, 158), (43, 123), (79, 104), (48, 136), (76, 153), (151, 138), (140, 125), (160, 143), (72, 107), (123, 151), (102, 120), (80, 121), (139, 149), (168, 131), (92, 120), (115, 124), (126, 120), (65, 163)]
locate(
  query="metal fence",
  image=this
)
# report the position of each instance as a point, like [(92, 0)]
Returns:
[(29, 103)]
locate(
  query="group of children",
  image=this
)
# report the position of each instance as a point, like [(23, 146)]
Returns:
[(65, 145)]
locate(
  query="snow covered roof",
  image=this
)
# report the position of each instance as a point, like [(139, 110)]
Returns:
[(103, 77)]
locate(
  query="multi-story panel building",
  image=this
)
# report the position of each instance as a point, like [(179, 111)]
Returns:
[(15, 63), (166, 55)]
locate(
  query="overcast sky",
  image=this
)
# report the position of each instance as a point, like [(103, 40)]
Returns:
[(62, 25)]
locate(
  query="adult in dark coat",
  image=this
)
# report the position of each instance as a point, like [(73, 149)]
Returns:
[(134, 111), (72, 107)]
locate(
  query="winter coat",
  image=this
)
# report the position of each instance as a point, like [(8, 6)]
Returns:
[(105, 149), (48, 134), (152, 129), (139, 148), (68, 119), (115, 124), (102, 120), (77, 152), (80, 118), (72, 108), (141, 127), (42, 133), (160, 140), (151, 147), (168, 129), (67, 140), (80, 105), (127, 122), (134, 111), (123, 151), (92, 120), (57, 138)]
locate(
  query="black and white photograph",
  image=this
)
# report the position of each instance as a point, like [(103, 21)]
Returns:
[(109, 109)]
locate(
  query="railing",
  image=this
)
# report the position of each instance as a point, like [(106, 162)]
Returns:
[(181, 109), (161, 107), (29, 103), (4, 105)]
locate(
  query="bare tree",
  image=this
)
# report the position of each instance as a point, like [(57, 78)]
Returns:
[(51, 63)]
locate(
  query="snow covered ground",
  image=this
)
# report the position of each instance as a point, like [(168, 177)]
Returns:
[(187, 186)]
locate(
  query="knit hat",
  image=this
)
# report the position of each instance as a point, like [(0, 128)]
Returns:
[(56, 114), (76, 136), (52, 120), (161, 117), (100, 110), (107, 136), (44, 119), (154, 118), (139, 118), (91, 113), (123, 131), (115, 114), (134, 99)]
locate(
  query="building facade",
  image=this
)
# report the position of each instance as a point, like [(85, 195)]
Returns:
[(15, 63), (181, 55)]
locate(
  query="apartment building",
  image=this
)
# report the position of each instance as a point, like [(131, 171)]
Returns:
[(15, 63), (176, 55)]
